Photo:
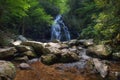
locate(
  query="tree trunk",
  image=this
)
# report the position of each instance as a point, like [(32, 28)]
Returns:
[(23, 28)]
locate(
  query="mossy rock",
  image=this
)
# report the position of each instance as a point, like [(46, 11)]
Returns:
[(49, 59)]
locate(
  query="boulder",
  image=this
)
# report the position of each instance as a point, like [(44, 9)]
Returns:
[(79, 48), (65, 42), (22, 38), (38, 46), (64, 46), (81, 41), (114, 75), (51, 50), (72, 42), (100, 67), (85, 42), (23, 48), (49, 59), (65, 50), (73, 49), (116, 55), (68, 56), (54, 45), (24, 66), (21, 59), (7, 70), (30, 54), (7, 52), (33, 60), (56, 41), (15, 43), (101, 51), (88, 42)]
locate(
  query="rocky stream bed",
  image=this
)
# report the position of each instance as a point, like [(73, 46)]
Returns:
[(70, 60)]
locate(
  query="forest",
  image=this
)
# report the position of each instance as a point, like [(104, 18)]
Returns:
[(85, 18), (97, 20)]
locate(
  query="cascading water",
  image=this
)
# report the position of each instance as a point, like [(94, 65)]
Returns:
[(57, 28)]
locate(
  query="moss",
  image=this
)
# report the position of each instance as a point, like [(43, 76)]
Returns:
[(49, 59), (11, 65)]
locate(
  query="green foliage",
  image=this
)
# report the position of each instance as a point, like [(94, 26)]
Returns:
[(12, 8), (62, 4), (37, 13), (30, 16), (107, 21), (98, 19), (81, 14), (89, 32)]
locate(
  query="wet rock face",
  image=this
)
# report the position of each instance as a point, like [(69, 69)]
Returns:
[(100, 51), (7, 52), (7, 70)]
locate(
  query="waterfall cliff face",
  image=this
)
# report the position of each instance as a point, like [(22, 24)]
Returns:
[(58, 30)]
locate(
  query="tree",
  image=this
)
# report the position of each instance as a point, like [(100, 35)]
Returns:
[(12, 9)]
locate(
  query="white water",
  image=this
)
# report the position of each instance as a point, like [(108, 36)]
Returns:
[(58, 30)]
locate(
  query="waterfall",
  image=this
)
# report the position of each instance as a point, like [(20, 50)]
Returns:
[(59, 30)]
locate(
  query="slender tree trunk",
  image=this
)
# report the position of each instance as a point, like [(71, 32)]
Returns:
[(1, 11), (23, 27)]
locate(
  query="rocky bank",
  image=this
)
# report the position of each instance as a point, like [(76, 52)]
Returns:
[(69, 60)]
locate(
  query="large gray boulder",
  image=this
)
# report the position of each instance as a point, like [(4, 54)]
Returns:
[(7, 70), (7, 52), (38, 46), (100, 67), (101, 51)]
